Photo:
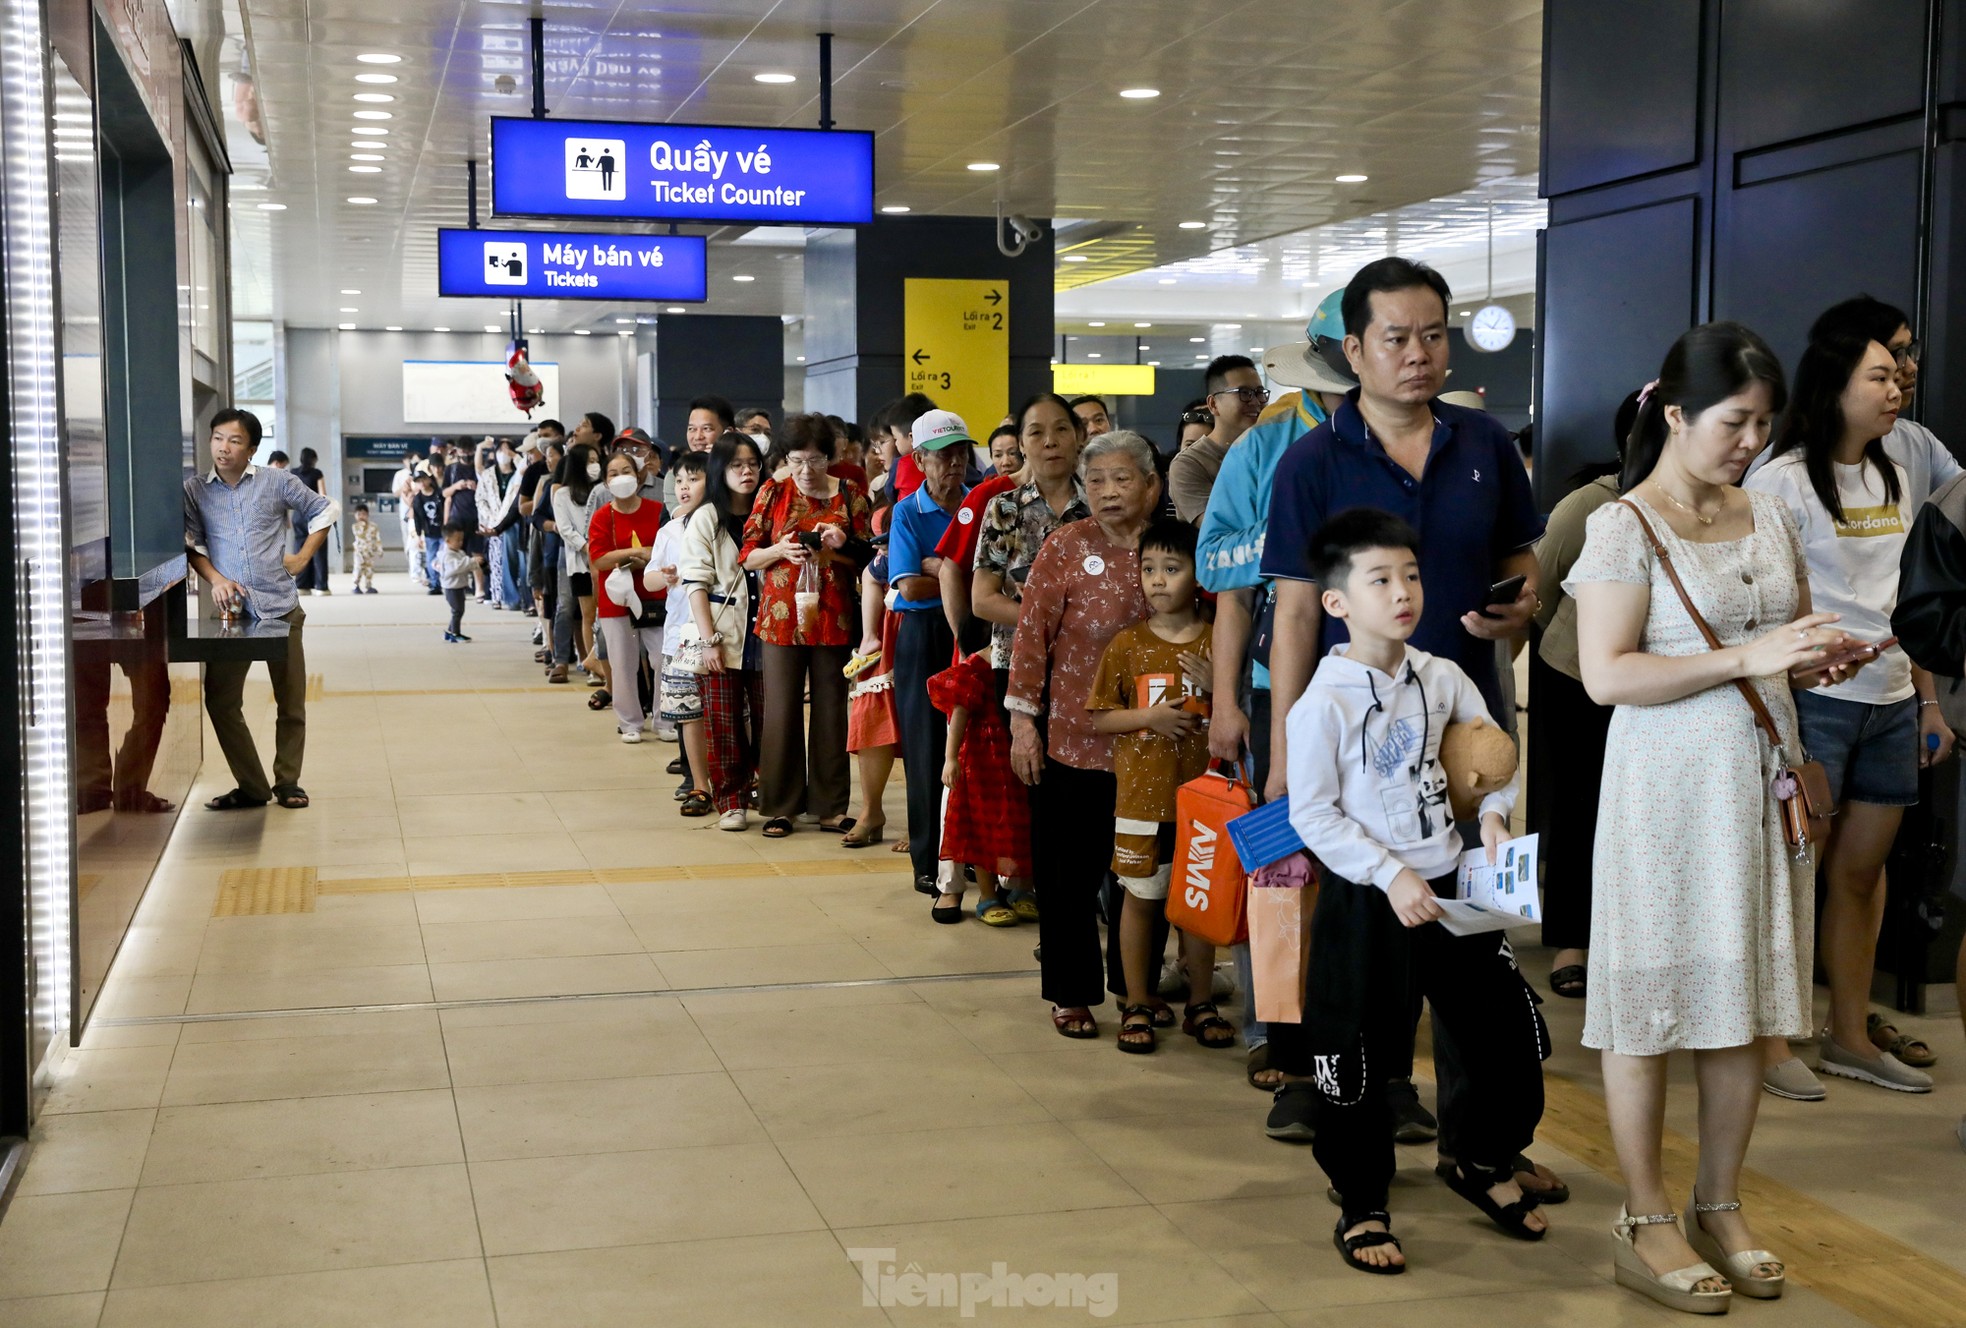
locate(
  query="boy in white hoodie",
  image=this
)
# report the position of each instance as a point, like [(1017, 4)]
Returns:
[(1368, 796)]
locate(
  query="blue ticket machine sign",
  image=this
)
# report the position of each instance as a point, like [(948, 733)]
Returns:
[(673, 172), (564, 265)]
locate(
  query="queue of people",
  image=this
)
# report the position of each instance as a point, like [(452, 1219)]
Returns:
[(1057, 625)]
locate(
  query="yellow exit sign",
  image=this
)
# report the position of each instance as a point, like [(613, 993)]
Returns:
[(1106, 380)]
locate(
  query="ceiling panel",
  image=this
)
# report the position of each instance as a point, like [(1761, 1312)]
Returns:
[(1262, 103)]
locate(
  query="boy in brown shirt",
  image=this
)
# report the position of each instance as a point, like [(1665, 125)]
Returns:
[(1151, 696)]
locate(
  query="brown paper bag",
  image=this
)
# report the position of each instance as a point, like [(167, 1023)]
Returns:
[(1280, 950)]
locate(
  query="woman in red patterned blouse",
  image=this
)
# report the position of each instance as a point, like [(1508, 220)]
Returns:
[(809, 521), (1083, 588)]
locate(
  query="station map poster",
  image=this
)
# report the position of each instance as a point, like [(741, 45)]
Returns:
[(678, 172)]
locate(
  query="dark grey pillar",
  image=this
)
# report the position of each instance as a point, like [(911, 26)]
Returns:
[(738, 357), (853, 330)]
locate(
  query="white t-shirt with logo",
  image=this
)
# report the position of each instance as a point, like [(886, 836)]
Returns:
[(1853, 563)]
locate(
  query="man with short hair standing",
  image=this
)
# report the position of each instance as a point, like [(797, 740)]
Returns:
[(1092, 413), (1235, 393), (235, 533)]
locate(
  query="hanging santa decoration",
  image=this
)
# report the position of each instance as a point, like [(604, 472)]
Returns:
[(522, 381)]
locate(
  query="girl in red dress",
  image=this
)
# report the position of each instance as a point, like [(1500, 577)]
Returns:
[(987, 822)]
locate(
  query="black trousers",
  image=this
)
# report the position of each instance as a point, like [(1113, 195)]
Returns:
[(1566, 775), (1071, 850), (1363, 961), (456, 599), (923, 646)]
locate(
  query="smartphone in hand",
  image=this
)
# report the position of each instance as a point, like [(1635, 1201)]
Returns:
[(1502, 592)]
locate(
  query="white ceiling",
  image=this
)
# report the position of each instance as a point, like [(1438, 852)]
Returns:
[(1263, 103)]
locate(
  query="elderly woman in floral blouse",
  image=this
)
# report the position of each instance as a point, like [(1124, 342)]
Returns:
[(1083, 588)]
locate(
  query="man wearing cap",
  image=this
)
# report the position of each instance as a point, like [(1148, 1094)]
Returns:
[(1235, 393), (923, 644), (1228, 557)]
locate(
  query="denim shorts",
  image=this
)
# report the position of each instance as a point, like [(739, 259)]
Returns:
[(1869, 751)]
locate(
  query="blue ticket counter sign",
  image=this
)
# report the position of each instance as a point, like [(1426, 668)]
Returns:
[(672, 172), (562, 265)]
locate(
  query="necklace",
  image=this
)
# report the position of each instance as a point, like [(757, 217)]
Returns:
[(1693, 512)]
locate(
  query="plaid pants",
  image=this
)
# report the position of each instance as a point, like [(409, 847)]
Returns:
[(733, 710)]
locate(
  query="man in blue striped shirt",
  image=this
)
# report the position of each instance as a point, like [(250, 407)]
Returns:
[(235, 533)]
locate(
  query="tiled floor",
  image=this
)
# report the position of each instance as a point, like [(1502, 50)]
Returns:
[(373, 1114)]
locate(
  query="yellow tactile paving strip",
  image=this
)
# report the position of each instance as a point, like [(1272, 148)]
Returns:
[(255, 891), (1878, 1279), (263, 891)]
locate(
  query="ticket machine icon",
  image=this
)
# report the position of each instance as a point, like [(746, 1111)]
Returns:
[(505, 263)]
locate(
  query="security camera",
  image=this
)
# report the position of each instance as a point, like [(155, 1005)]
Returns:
[(1027, 230)]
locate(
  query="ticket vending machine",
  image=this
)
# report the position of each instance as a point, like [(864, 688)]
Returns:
[(369, 464)]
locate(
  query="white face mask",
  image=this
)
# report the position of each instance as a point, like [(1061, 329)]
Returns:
[(624, 486), (593, 470)]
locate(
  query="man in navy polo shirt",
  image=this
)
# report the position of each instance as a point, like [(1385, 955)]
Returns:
[(1455, 476)]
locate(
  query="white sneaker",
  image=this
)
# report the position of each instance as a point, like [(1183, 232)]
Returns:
[(1887, 1071), (734, 819), (631, 736)]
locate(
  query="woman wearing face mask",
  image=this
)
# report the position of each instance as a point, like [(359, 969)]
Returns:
[(1855, 506), (1701, 914), (806, 624), (621, 535), (581, 472), (711, 571)]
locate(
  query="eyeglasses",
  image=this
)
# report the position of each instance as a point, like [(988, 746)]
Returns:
[(1911, 350), (1198, 417), (1254, 396), (798, 462)]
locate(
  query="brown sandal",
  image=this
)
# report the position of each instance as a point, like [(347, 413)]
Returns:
[(1136, 1038), (1063, 1017)]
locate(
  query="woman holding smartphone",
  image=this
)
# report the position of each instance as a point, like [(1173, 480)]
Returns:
[(1854, 505)]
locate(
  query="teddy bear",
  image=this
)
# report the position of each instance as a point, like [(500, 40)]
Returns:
[(1479, 759)]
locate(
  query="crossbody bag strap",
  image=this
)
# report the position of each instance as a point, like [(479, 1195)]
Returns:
[(1761, 715)]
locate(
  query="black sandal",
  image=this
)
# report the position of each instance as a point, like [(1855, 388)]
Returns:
[(697, 803), (1202, 1018), (1555, 1192), (1568, 981), (675, 767), (1348, 1248), (1137, 1046), (293, 798), (778, 827), (235, 801), (600, 699), (1257, 1063), (1472, 1183)]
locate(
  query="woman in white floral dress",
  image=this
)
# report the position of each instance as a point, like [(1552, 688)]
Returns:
[(1700, 935)]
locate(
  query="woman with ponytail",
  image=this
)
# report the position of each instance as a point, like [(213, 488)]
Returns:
[(1701, 918), (1854, 505)]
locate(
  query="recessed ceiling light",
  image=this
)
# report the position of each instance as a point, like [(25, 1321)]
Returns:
[(802, 359), (375, 115), (743, 276), (1093, 355), (1233, 326), (375, 78), (379, 58), (983, 166), (624, 334), (535, 331), (1194, 225), (366, 170), (367, 156), (374, 98), (1139, 94), (392, 328), (624, 320), (582, 332), (1166, 281), (674, 309), (359, 201), (272, 207), (346, 327), (367, 130), (1350, 179), (1196, 340), (1143, 324), (1095, 324), (1154, 363), (774, 78), (346, 310), (896, 209), (1146, 348), (369, 143), (1075, 258), (493, 327), (440, 329), (1465, 312)]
